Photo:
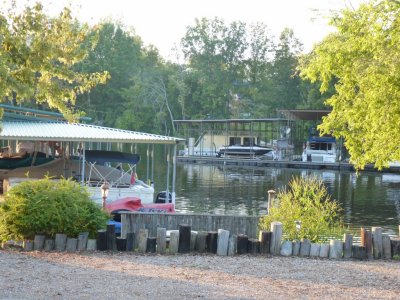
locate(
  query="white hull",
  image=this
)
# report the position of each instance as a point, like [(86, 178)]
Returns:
[(319, 156)]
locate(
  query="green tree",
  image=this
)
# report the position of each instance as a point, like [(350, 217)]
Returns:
[(362, 57), (286, 92), (118, 52), (38, 54), (258, 70), (215, 63)]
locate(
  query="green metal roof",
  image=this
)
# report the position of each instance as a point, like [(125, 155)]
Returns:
[(76, 132), (19, 112)]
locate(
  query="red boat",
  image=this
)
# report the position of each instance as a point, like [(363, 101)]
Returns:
[(135, 204)]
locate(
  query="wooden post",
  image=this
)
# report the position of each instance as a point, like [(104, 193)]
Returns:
[(212, 241), (296, 248), (265, 245), (324, 251), (395, 246), (28, 245), (377, 242), (253, 246), (366, 241), (276, 240), (271, 199), (386, 251), (286, 248), (121, 244), (241, 244), (60, 242), (232, 245), (111, 242), (348, 243), (130, 241), (143, 235), (222, 242), (305, 247), (359, 252), (82, 240), (201, 241), (335, 249), (193, 238), (151, 245), (161, 240), (315, 249), (174, 242), (184, 238), (91, 245), (101, 241), (48, 245), (72, 243), (38, 242)]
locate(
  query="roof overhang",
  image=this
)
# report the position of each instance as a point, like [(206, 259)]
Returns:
[(304, 114), (77, 132), (239, 121)]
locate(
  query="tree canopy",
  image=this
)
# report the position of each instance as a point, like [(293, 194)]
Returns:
[(37, 58), (363, 59), (234, 70)]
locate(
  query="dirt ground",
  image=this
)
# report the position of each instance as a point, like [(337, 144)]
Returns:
[(102, 275)]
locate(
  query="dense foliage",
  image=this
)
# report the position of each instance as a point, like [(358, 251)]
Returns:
[(363, 58), (37, 58), (306, 211), (220, 70), (48, 207)]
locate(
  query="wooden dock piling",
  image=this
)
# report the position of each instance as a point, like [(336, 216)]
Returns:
[(201, 241), (60, 241), (38, 242), (241, 244), (265, 245), (184, 238), (161, 240), (377, 242)]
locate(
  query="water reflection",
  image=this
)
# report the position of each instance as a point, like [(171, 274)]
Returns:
[(370, 199)]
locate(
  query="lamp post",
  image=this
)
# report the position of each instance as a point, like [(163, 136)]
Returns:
[(104, 193)]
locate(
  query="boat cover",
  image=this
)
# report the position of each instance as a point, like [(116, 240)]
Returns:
[(102, 157)]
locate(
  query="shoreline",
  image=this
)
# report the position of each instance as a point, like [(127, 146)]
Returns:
[(106, 275)]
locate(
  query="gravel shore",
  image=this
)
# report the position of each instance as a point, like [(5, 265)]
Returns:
[(100, 275)]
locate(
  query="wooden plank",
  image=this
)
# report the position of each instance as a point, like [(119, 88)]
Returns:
[(133, 221)]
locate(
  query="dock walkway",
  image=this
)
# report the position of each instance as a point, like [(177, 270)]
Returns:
[(249, 162)]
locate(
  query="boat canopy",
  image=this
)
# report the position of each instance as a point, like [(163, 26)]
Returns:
[(102, 157)]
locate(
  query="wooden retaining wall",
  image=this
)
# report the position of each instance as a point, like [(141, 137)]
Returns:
[(133, 221)]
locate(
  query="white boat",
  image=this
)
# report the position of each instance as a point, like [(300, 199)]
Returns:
[(243, 151), (122, 183), (211, 144), (320, 149)]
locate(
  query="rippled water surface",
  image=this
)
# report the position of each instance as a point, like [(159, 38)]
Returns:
[(369, 199)]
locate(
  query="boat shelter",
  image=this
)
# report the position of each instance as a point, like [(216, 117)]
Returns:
[(23, 124)]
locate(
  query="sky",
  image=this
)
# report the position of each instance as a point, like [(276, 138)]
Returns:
[(163, 23)]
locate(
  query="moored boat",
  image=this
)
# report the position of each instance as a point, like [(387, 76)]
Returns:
[(243, 151)]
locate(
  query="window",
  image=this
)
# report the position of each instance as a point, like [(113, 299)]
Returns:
[(234, 140)]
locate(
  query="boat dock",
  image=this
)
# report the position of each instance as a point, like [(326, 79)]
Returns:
[(250, 162)]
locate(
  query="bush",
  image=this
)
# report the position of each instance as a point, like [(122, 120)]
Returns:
[(306, 210), (48, 207)]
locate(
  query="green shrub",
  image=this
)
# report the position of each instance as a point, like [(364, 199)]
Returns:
[(48, 207), (306, 211)]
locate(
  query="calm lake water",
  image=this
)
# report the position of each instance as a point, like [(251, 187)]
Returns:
[(369, 199)]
